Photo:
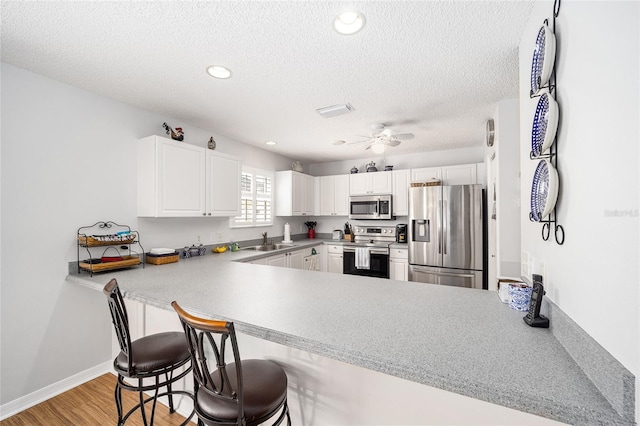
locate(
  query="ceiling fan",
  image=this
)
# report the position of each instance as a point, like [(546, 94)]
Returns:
[(383, 137)]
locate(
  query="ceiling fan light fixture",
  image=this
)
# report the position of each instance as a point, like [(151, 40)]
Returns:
[(348, 22), (378, 147), (218, 71)]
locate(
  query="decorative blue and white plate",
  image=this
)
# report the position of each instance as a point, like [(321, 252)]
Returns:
[(543, 58), (544, 190), (545, 124)]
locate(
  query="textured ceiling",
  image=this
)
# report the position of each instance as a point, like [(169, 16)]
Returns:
[(433, 68)]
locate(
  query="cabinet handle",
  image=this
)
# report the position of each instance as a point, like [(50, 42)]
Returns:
[(204, 214), (208, 214)]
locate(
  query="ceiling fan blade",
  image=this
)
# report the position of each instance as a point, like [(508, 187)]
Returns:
[(369, 146), (404, 136), (394, 143)]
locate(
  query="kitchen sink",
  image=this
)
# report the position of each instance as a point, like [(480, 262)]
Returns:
[(269, 247)]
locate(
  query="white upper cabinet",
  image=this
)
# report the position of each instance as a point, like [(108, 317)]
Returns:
[(294, 194), (370, 183), (223, 184), (463, 174), (333, 195), (176, 179), (400, 201)]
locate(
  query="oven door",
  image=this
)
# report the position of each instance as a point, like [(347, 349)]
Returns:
[(378, 263)]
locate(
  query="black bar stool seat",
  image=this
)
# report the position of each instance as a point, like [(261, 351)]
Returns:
[(154, 359)]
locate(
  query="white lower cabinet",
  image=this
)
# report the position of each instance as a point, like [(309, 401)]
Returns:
[(399, 264), (334, 258), (293, 260)]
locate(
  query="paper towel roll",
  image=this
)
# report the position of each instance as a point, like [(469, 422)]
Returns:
[(287, 233)]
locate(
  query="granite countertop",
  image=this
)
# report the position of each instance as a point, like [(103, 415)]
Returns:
[(456, 339)]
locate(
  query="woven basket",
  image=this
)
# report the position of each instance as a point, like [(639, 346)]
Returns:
[(422, 184), (106, 240), (161, 260)]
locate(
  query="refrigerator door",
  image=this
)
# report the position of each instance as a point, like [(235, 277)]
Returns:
[(462, 227), (425, 233), (451, 277)]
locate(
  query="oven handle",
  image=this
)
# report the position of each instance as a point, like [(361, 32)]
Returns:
[(372, 250)]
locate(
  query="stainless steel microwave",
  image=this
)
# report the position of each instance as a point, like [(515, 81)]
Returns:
[(377, 207)]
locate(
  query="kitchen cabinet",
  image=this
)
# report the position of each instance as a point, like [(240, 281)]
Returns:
[(333, 195), (293, 260), (370, 183), (223, 184), (462, 174), (399, 264), (400, 201), (334, 258), (176, 179), (294, 194)]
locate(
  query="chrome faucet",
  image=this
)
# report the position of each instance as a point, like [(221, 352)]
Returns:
[(264, 238)]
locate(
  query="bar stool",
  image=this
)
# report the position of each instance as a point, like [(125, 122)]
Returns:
[(247, 392), (155, 357)]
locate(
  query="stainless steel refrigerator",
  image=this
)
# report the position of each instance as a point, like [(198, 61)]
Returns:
[(446, 235)]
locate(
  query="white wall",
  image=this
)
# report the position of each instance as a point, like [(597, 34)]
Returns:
[(594, 276), (68, 160)]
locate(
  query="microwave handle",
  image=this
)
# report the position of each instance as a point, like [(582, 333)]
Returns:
[(379, 209)]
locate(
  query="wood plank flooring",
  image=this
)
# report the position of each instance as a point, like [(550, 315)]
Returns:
[(91, 403)]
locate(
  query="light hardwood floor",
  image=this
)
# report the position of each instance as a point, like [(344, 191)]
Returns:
[(92, 404)]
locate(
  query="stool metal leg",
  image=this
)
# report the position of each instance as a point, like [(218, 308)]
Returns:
[(118, 398)]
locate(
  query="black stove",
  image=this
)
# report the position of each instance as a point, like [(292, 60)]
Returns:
[(368, 254)]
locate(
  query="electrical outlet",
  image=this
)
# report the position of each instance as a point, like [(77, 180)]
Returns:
[(219, 237), (197, 239), (212, 237)]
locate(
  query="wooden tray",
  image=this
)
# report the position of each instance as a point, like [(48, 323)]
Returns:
[(161, 260), (106, 266)]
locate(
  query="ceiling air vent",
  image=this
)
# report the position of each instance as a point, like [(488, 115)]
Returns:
[(334, 110)]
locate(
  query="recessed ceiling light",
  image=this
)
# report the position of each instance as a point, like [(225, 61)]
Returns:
[(271, 143), (218, 71), (349, 22)]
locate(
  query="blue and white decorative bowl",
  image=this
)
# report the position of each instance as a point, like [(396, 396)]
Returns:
[(519, 297)]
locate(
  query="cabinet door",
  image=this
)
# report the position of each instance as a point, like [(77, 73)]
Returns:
[(223, 184), (334, 263), (296, 259), (398, 269), (401, 192), (341, 195), (464, 174), (358, 184), (180, 179), (277, 260), (326, 197), (426, 174), (297, 194), (380, 182), (308, 198)]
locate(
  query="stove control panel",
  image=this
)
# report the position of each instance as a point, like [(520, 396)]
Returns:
[(375, 231)]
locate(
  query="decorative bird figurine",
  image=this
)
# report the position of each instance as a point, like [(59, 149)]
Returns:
[(177, 135)]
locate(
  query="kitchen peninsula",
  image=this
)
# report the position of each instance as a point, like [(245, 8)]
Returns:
[(459, 340)]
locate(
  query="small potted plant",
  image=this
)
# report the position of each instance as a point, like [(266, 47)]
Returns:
[(311, 226)]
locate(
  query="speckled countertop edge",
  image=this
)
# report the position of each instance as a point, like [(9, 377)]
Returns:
[(540, 405)]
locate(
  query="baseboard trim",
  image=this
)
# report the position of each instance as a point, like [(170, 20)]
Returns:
[(41, 395)]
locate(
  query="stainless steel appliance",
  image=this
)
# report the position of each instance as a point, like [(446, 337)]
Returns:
[(368, 254), (446, 235), (376, 207)]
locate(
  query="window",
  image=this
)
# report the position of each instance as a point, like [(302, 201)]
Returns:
[(256, 202)]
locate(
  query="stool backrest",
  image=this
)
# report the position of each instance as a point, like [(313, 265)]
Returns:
[(209, 336), (120, 319)]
